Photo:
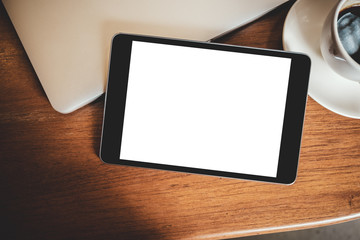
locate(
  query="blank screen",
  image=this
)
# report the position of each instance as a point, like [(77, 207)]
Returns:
[(206, 109)]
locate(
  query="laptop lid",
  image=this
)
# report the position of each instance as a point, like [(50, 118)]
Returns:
[(68, 42)]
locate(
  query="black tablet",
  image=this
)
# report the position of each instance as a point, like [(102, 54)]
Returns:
[(204, 108)]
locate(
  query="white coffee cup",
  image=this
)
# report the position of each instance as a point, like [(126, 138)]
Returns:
[(332, 48)]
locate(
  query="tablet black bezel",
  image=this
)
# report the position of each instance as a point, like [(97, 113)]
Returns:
[(115, 101)]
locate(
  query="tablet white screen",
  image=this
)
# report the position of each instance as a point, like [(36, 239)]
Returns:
[(206, 109)]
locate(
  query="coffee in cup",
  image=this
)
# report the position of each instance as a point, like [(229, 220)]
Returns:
[(340, 40), (348, 25)]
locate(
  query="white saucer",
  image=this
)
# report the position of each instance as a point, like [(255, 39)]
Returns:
[(302, 31)]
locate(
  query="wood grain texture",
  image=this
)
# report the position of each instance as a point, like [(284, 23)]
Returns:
[(54, 186)]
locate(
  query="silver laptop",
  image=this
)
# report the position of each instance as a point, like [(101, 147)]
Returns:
[(68, 42)]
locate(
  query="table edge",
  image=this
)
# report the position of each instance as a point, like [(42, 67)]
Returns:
[(283, 228)]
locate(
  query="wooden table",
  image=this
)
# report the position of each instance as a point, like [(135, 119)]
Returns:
[(54, 186)]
